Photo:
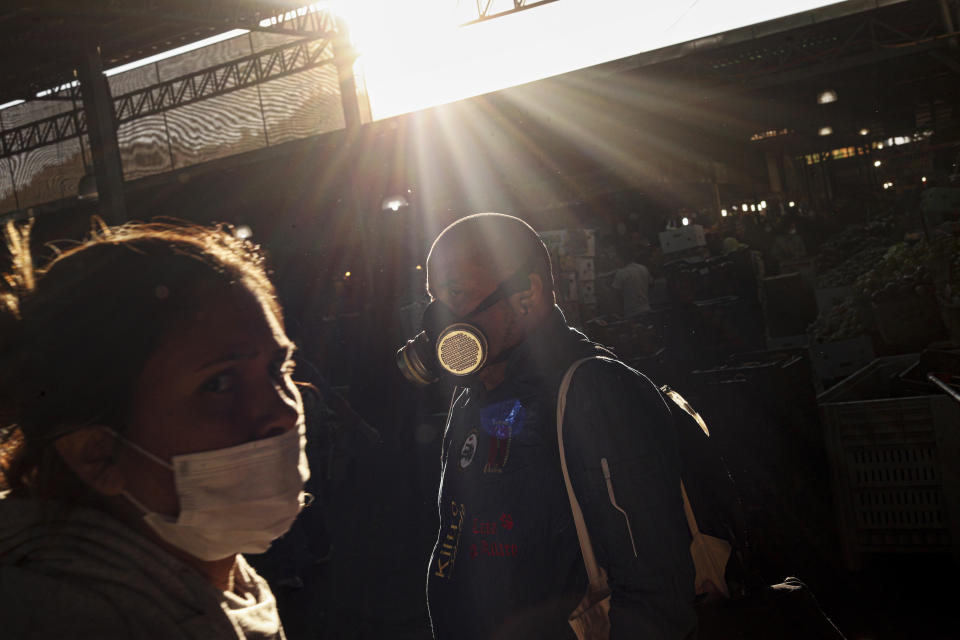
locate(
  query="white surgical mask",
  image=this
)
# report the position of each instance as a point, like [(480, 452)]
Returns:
[(234, 500)]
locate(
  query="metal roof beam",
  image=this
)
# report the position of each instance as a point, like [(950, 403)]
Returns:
[(483, 12), (176, 92), (748, 34), (839, 64), (844, 45), (948, 60)]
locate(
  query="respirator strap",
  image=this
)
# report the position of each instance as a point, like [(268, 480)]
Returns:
[(503, 355), (519, 281)]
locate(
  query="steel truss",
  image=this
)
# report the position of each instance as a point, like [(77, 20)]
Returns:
[(126, 30), (484, 7), (785, 52), (825, 48), (176, 92)]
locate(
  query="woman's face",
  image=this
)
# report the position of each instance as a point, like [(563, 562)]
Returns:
[(220, 380)]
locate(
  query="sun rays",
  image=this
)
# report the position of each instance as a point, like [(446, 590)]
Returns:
[(413, 55)]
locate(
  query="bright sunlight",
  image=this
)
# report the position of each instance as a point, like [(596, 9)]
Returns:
[(413, 54)]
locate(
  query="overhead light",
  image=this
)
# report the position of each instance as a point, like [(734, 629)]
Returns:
[(887, 185), (723, 212), (753, 207), (877, 163), (923, 179), (763, 204), (394, 203), (243, 232), (346, 275), (87, 187), (825, 131), (826, 97), (744, 206), (685, 221), (163, 55), (61, 87), (12, 103), (419, 267), (864, 131), (791, 204)]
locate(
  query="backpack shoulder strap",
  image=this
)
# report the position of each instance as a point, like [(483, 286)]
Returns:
[(594, 573), (681, 402)]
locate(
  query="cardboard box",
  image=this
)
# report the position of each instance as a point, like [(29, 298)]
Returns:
[(689, 237), (571, 242), (585, 269), (588, 294)]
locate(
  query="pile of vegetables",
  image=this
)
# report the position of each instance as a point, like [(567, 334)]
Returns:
[(879, 232), (842, 322), (902, 275), (944, 265), (847, 272)]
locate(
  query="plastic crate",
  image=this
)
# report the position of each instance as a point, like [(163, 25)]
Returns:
[(944, 364), (755, 383), (800, 341), (896, 476), (837, 360), (950, 314), (909, 323), (789, 305)]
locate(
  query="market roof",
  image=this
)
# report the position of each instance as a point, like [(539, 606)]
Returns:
[(41, 41)]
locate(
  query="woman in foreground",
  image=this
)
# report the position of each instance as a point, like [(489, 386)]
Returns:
[(150, 433)]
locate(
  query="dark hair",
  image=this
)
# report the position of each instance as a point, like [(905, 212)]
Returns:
[(626, 253), (502, 242), (75, 334)]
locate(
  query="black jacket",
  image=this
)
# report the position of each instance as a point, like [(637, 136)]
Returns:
[(507, 562)]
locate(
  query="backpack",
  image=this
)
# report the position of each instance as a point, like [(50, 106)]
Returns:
[(711, 494), (786, 610), (590, 620)]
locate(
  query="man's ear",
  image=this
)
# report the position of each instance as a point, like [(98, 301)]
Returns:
[(532, 298), (90, 453)]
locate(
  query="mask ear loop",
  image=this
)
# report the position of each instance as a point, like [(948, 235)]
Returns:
[(138, 448), (126, 494), (136, 503)]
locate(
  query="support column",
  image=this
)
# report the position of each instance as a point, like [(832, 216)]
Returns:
[(102, 129), (773, 172), (344, 57), (948, 21)]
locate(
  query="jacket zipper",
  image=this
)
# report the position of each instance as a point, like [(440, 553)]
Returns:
[(613, 501)]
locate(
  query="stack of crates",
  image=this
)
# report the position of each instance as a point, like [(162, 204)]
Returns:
[(895, 460), (762, 413)]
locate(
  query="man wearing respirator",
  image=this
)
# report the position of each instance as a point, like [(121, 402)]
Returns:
[(507, 562)]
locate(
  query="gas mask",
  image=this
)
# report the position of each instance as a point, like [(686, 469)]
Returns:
[(455, 347)]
